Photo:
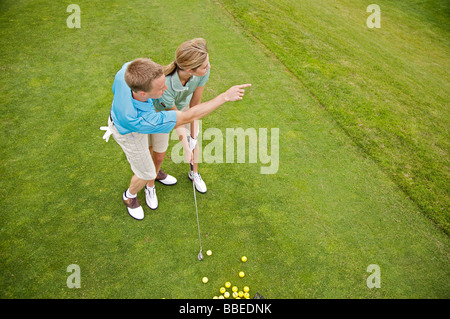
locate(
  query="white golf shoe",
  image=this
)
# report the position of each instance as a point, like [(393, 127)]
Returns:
[(165, 178), (133, 207), (200, 185), (150, 197)]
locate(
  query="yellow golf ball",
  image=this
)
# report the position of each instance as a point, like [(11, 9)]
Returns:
[(244, 259), (246, 289), (226, 294), (222, 290), (247, 295), (241, 294), (227, 284), (241, 274), (235, 294), (235, 289), (209, 252), (205, 280), (221, 297)]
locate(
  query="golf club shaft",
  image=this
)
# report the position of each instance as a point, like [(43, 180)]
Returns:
[(196, 211)]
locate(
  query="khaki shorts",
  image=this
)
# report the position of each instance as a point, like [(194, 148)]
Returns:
[(135, 147), (159, 142)]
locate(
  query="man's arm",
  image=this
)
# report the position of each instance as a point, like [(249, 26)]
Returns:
[(235, 93)]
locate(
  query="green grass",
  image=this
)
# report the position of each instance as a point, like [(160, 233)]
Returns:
[(309, 231), (388, 88)]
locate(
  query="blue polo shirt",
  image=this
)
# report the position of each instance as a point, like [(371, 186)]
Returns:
[(130, 115)]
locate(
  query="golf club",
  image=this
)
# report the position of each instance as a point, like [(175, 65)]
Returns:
[(200, 255)]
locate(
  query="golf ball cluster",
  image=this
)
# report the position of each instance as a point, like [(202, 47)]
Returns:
[(234, 291)]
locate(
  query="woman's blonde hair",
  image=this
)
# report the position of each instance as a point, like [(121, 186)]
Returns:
[(189, 55)]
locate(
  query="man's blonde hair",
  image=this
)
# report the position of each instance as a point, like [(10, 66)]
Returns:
[(140, 74), (189, 55)]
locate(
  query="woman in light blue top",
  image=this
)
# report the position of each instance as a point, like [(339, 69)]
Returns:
[(185, 79)]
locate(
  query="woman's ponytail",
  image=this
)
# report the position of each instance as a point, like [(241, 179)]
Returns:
[(171, 68)]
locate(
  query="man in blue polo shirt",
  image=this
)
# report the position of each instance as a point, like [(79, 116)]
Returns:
[(133, 111), (132, 119)]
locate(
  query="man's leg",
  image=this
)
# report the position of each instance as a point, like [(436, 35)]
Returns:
[(158, 158), (130, 198), (137, 184), (135, 147), (158, 144)]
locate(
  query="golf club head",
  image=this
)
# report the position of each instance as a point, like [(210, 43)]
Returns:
[(200, 256), (258, 296)]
